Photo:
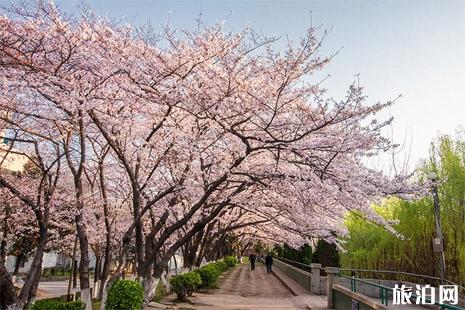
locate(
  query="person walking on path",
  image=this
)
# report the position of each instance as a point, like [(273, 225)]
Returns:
[(268, 263), (252, 258)]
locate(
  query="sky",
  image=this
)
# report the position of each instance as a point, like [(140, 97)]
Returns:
[(411, 48)]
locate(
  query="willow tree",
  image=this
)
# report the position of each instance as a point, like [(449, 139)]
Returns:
[(411, 250)]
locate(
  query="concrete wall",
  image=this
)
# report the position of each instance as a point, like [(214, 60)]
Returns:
[(49, 260), (302, 277), (343, 299), (369, 290), (323, 281), (10, 160)]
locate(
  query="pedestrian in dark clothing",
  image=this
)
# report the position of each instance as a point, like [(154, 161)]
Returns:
[(268, 263), (252, 258)]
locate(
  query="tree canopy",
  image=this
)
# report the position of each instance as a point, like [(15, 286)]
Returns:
[(169, 144)]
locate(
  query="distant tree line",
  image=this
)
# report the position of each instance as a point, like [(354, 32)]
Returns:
[(325, 253)]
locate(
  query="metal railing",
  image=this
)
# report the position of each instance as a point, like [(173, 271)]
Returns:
[(385, 291), (373, 272), (299, 264), (403, 273)]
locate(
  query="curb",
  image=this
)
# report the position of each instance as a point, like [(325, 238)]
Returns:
[(307, 306), (285, 284), (295, 293)]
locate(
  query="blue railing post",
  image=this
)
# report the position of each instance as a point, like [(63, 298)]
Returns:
[(384, 296), (381, 295), (353, 285)]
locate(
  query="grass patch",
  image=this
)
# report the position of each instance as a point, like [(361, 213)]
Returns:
[(96, 304), (160, 292)]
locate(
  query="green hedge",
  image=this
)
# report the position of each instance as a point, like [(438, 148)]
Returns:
[(55, 272), (209, 275), (222, 265), (231, 261), (185, 284), (204, 277), (125, 295), (57, 304)]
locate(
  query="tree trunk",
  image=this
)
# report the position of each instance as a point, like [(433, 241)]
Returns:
[(168, 278), (75, 273), (98, 259), (28, 290), (139, 246), (7, 289), (201, 247), (165, 281), (150, 285), (107, 284), (165, 278), (98, 262), (185, 256), (35, 285), (175, 265), (147, 280), (151, 278), (19, 260), (84, 263), (105, 269), (106, 264), (3, 242)]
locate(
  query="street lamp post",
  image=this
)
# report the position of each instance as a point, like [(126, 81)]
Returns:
[(438, 241)]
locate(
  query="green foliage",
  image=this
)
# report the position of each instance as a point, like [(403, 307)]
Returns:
[(96, 304), (160, 292), (372, 247), (23, 246), (222, 265), (55, 272), (125, 295), (205, 277), (209, 275), (326, 254), (231, 261), (259, 247), (302, 255), (57, 304), (185, 284)]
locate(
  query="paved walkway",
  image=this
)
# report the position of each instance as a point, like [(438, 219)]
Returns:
[(244, 282), (49, 289), (242, 289)]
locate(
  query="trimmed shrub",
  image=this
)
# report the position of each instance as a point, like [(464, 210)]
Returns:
[(214, 266), (185, 284), (209, 275), (231, 261), (222, 265), (125, 295), (57, 304)]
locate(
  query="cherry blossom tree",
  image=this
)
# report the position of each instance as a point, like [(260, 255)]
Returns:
[(206, 133), (37, 192)]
